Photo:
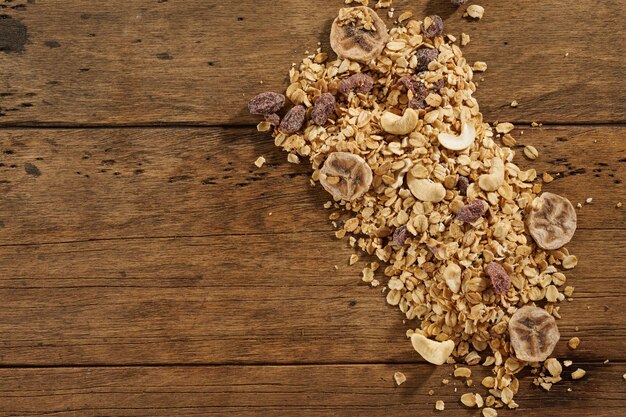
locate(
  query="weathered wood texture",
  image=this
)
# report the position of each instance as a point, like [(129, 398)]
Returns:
[(170, 257), (147, 61), (340, 391)]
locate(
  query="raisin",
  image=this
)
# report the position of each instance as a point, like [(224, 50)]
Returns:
[(499, 278), (438, 85), (414, 84), (458, 2), (266, 103), (462, 185), (424, 57), (472, 211), (432, 26), (361, 83), (273, 119), (399, 236), (324, 107), (293, 120), (417, 103)]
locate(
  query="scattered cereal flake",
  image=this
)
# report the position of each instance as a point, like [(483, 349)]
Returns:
[(489, 412), (440, 405), (624, 376), (570, 261), (263, 126), (353, 259), (567, 363), (465, 39), (399, 377), (468, 400), (259, 162), (514, 103), (479, 66), (293, 158), (368, 275), (578, 205), (336, 267), (405, 16), (462, 372), (535, 124), (431, 392), (531, 152), (606, 362), (566, 54), (383, 4), (578, 373), (619, 204), (569, 390), (589, 200), (505, 127), (573, 343), (445, 381), (475, 11), (547, 178)]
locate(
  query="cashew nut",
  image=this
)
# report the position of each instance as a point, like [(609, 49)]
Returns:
[(399, 125), (400, 179), (495, 178), (458, 143), (425, 189), (434, 352), (452, 277)]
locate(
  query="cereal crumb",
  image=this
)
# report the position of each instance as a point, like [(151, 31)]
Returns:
[(531, 152), (619, 204), (475, 11), (573, 343), (578, 373), (465, 39), (479, 66), (567, 363), (445, 381), (259, 162), (589, 200), (569, 390), (605, 362), (566, 54), (432, 392), (514, 103), (579, 206), (440, 405), (399, 377), (353, 259)]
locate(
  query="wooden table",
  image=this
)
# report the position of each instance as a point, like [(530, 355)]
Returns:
[(147, 267)]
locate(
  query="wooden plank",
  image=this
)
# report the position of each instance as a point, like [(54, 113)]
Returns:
[(246, 299), (66, 185), (289, 391), (147, 62)]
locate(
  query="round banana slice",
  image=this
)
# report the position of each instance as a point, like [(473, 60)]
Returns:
[(346, 176), (359, 34), (552, 221), (533, 334)]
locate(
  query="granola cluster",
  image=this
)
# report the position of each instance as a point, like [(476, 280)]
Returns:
[(446, 210)]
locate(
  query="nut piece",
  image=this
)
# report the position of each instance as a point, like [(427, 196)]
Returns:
[(495, 178), (552, 221), (533, 334), (452, 277), (434, 352), (573, 343), (458, 143), (578, 373), (359, 34), (399, 125), (425, 189), (346, 176)]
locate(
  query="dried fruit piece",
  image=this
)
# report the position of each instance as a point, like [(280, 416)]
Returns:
[(458, 2), (399, 236), (499, 278), (533, 334), (472, 211), (458, 143), (432, 26), (552, 221), (424, 57), (273, 119), (399, 125), (434, 352), (359, 34), (293, 120), (266, 103), (346, 176), (462, 185), (323, 108), (359, 82)]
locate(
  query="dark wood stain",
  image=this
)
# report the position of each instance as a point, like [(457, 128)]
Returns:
[(13, 35), (32, 169), (52, 44), (164, 56)]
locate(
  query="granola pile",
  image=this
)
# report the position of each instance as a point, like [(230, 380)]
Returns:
[(471, 247)]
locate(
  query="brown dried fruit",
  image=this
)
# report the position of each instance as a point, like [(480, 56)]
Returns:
[(533, 334), (273, 119), (458, 2), (552, 221), (399, 236), (323, 108), (462, 185), (346, 176), (432, 26), (499, 278), (266, 103), (361, 83), (424, 57), (359, 34), (472, 211), (293, 120)]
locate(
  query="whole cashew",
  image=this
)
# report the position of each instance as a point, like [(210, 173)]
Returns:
[(458, 143), (495, 178), (425, 189), (399, 125)]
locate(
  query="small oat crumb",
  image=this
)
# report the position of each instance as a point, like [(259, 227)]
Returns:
[(573, 343), (399, 377), (579, 206), (567, 363), (475, 11), (578, 373), (589, 200), (259, 162), (547, 178), (353, 259), (566, 54), (624, 376), (375, 283), (270, 213), (479, 66), (465, 39), (445, 381), (440, 405), (328, 204), (336, 267), (605, 362), (514, 103), (534, 124), (569, 390), (293, 158), (462, 372), (431, 392), (619, 204)]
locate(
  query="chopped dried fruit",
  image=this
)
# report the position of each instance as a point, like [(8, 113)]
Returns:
[(552, 221), (399, 236), (424, 57), (323, 108), (472, 211), (266, 103), (533, 334), (346, 176), (293, 120), (273, 119), (499, 278), (432, 26), (458, 2), (359, 34), (462, 185), (359, 82)]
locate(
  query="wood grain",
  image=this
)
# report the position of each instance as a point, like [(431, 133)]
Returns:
[(197, 62), (67, 185), (341, 391)]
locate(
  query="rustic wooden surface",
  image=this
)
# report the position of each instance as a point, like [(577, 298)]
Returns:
[(152, 269)]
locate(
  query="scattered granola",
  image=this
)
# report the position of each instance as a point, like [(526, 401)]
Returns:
[(475, 11), (399, 377), (578, 373), (259, 162), (573, 343), (458, 2), (440, 405)]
